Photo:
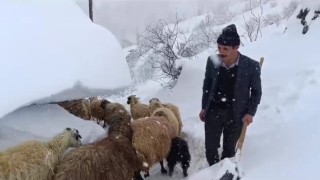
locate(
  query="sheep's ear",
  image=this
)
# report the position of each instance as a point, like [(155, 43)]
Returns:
[(68, 129), (77, 136)]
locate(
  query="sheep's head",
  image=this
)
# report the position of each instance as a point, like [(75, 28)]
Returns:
[(73, 137), (154, 105), (103, 104), (133, 99), (153, 100), (93, 98)]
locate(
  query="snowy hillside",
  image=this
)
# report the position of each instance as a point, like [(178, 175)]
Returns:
[(283, 141)]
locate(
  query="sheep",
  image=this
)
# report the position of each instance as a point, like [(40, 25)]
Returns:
[(97, 107), (137, 109), (152, 140), (78, 107), (156, 103), (108, 159), (168, 114), (152, 137), (179, 153), (111, 109), (37, 160), (88, 109)]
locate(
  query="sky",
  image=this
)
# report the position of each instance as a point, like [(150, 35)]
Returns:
[(47, 47), (281, 144), (125, 18)]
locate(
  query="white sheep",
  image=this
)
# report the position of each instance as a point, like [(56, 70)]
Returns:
[(35, 160)]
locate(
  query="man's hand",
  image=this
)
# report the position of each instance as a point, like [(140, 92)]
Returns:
[(247, 119), (202, 115)]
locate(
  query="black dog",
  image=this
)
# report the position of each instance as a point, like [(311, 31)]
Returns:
[(179, 153)]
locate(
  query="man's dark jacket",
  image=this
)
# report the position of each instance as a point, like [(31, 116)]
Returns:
[(247, 92)]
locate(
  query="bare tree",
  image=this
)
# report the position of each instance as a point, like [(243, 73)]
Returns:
[(271, 19), (205, 34), (165, 44), (288, 11), (254, 24)]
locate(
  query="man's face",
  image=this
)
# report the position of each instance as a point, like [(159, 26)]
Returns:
[(227, 53)]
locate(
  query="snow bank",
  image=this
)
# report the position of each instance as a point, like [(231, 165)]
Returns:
[(48, 46)]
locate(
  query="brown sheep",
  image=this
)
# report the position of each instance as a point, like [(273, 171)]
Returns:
[(168, 114), (78, 107), (97, 107), (152, 140), (112, 109), (172, 107), (137, 109), (109, 159)]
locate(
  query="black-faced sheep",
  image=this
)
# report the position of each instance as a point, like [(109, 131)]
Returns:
[(112, 158), (37, 160), (137, 109), (179, 153), (97, 107), (155, 103)]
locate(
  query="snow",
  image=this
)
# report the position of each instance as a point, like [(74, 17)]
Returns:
[(281, 144), (49, 46)]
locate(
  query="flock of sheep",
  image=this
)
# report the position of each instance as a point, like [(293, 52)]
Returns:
[(136, 141)]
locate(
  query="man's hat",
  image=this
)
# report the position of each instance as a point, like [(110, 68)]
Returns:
[(229, 36)]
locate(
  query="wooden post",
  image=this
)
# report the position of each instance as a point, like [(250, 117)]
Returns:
[(91, 10)]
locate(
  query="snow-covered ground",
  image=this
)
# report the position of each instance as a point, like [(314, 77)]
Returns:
[(281, 144)]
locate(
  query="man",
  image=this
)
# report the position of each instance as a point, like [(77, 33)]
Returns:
[(231, 94)]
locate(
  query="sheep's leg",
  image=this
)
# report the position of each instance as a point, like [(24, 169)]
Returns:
[(104, 124), (185, 172), (171, 164), (137, 176), (185, 165), (163, 170), (146, 174)]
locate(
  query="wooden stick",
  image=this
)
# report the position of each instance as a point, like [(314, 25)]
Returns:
[(261, 61), (245, 125)]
